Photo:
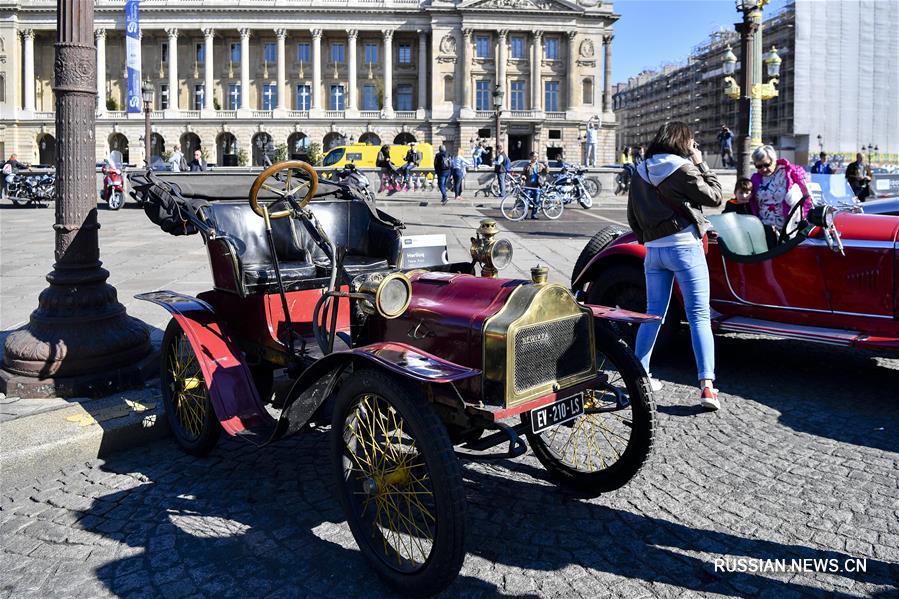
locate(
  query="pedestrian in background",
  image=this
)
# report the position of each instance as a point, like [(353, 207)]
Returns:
[(777, 186), (664, 209), (821, 166), (387, 171), (176, 158), (625, 157), (637, 157), (591, 137), (501, 166), (10, 168), (459, 166), (534, 174), (443, 169), (726, 146), (197, 165), (412, 160), (859, 177), (477, 151)]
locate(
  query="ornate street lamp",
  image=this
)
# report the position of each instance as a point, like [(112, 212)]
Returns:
[(498, 108), (820, 143), (146, 92)]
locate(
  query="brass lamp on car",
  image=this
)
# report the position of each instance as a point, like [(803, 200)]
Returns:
[(492, 254), (388, 295)]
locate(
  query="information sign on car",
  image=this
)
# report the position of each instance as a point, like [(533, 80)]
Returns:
[(557, 412), (423, 250)]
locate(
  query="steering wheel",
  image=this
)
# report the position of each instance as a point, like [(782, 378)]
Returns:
[(784, 234), (284, 186)]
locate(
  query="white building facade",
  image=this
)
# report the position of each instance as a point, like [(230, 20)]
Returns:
[(231, 78)]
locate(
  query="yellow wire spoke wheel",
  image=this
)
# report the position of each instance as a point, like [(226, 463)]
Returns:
[(605, 447), (281, 181), (185, 395), (399, 482)]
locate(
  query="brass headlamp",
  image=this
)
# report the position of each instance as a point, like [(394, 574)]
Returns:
[(387, 295), (492, 254)]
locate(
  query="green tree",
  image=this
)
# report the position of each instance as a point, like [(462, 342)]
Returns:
[(111, 104), (242, 158), (315, 153), (281, 153)]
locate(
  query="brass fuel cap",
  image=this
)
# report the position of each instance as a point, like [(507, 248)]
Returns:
[(539, 274)]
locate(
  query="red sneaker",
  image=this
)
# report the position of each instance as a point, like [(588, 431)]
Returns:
[(708, 399)]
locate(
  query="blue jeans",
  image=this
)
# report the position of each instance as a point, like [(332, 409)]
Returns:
[(458, 177), (501, 178), (686, 263), (442, 178)]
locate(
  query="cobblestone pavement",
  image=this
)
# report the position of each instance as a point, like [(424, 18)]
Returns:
[(802, 462)]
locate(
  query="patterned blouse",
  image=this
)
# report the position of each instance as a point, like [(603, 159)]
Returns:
[(771, 195)]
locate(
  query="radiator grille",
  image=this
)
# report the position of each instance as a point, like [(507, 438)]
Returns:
[(550, 351)]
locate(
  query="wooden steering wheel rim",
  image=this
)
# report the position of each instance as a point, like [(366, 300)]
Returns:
[(282, 166)]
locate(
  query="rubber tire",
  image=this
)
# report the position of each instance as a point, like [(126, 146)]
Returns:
[(597, 243), (116, 204), (16, 201), (448, 552), (212, 429), (560, 205), (616, 276), (639, 445), (508, 203)]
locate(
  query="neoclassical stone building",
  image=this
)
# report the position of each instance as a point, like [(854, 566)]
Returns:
[(230, 76)]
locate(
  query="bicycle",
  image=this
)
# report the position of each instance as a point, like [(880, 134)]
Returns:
[(522, 200)]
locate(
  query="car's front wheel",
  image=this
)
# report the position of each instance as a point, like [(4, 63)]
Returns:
[(399, 482), (606, 446)]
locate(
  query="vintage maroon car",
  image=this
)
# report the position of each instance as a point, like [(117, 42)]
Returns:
[(411, 367), (832, 281)]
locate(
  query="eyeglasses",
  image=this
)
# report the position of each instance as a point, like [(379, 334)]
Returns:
[(762, 166)]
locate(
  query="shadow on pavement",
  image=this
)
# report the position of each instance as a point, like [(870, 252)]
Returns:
[(841, 394)]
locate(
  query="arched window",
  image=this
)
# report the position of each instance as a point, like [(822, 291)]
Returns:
[(370, 138), (262, 147), (588, 90), (298, 146), (404, 138), (46, 146), (157, 148), (189, 142), (226, 148), (332, 140), (118, 148)]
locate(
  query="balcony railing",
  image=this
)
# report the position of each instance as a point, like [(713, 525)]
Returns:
[(45, 115), (485, 114), (555, 116), (522, 114), (370, 114), (334, 114), (298, 114), (226, 114), (405, 114), (261, 114)]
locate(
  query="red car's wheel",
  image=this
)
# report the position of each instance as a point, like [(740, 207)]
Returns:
[(605, 447), (184, 393), (399, 482)]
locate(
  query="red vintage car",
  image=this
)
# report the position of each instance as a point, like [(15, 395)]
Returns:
[(412, 367), (833, 280)]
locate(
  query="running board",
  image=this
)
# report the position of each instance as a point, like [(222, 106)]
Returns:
[(742, 324)]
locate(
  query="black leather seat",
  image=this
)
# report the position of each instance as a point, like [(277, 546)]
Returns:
[(371, 244)]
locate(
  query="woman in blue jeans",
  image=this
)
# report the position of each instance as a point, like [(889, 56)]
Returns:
[(665, 211)]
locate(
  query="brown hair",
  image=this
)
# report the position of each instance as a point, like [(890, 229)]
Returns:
[(744, 184), (673, 137)]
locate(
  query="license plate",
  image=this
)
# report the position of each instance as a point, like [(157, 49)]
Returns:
[(557, 412)]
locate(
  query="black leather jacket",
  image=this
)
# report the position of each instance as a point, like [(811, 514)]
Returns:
[(690, 185)]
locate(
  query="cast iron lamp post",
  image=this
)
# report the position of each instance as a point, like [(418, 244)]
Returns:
[(498, 109), (79, 340), (146, 91), (820, 143)]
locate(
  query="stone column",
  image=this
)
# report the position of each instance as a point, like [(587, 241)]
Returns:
[(388, 72), (422, 72), (607, 74), (573, 78), (282, 70), (100, 42), (79, 340), (352, 35), (536, 60), (244, 69), (316, 69), (501, 65), (174, 89), (28, 75), (465, 58), (209, 77)]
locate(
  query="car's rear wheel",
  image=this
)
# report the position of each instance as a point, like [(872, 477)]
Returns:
[(624, 287), (597, 243), (605, 447), (399, 482), (185, 396)]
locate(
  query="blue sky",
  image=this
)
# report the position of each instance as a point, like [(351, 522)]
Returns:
[(652, 32)]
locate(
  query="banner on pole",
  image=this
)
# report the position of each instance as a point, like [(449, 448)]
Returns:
[(132, 49)]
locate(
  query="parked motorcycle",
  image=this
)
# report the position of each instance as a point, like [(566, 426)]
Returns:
[(353, 177), (113, 187), (571, 184), (31, 189), (623, 179)]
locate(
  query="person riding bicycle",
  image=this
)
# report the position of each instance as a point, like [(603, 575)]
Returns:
[(534, 173)]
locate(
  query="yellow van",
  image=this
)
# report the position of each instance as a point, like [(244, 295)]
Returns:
[(366, 156)]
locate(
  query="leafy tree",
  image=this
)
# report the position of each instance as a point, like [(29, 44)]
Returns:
[(315, 153), (242, 158)]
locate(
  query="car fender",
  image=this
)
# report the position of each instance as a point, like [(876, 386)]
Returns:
[(232, 391), (320, 380)]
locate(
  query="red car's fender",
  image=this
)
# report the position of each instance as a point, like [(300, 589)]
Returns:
[(622, 249), (231, 388)]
